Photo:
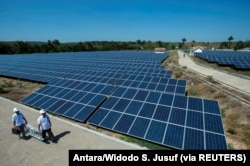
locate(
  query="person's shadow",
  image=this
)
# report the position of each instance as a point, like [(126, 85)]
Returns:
[(57, 137)]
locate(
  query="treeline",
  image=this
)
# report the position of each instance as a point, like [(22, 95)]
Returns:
[(20, 47), (235, 45)]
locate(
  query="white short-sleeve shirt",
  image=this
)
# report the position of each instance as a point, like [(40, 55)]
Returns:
[(44, 122), (18, 119)]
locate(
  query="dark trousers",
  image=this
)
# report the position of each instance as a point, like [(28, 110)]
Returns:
[(22, 130), (51, 135)]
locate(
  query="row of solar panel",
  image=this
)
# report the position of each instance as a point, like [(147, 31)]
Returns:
[(165, 133), (240, 60), (182, 112), (83, 70), (123, 95)]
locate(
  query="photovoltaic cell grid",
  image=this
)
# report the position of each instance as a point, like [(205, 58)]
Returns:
[(239, 59), (79, 83), (193, 123)]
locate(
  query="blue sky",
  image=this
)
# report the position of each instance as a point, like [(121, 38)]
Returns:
[(124, 20)]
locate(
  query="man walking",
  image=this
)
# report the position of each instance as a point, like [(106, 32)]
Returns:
[(18, 120), (44, 126)]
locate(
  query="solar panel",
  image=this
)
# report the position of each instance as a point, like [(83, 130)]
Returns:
[(192, 136), (237, 59), (176, 118), (174, 140), (126, 92), (156, 131), (139, 127), (195, 120)]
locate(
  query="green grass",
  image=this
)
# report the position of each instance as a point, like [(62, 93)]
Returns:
[(246, 139), (142, 143), (223, 113), (232, 131), (193, 92), (230, 146), (7, 84)]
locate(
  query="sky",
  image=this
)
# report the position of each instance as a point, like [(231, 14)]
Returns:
[(124, 20)]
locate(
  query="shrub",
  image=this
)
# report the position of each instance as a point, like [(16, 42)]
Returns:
[(230, 146), (210, 78), (192, 91), (232, 131), (178, 75)]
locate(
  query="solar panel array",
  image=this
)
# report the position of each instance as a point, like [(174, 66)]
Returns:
[(126, 92), (238, 59)]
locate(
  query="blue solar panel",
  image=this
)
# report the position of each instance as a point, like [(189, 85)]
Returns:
[(162, 113), (180, 101), (124, 123), (170, 88), (134, 107), (195, 104), (121, 105), (87, 98), (119, 91), (110, 120), (70, 94), (84, 113), (151, 86), (235, 59), (107, 90), (172, 82), (71, 112), (177, 116), (41, 101), (130, 93), (139, 127), (213, 123), (48, 103), (110, 102), (180, 90), (153, 97), (161, 87), (56, 105), (64, 108), (166, 99), (174, 136), (156, 131), (215, 141), (141, 95), (98, 116), (78, 96), (28, 98), (147, 110), (97, 100), (195, 120), (182, 83), (194, 139), (143, 85), (98, 88), (211, 106)]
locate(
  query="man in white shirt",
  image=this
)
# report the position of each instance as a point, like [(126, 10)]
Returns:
[(44, 126), (19, 122)]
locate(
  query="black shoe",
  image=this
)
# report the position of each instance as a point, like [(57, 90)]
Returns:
[(46, 141)]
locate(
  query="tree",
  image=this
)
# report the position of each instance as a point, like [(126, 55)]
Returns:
[(239, 45), (230, 38), (183, 41), (193, 43)]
